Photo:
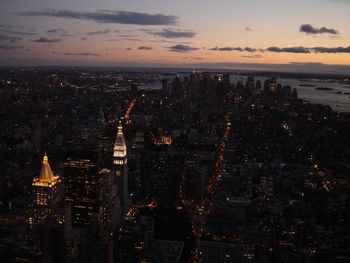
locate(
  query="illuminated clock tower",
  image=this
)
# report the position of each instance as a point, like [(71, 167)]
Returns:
[(120, 163)]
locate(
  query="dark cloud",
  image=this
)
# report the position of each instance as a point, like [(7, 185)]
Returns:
[(331, 50), (7, 47), (144, 48), (60, 31), (127, 35), (300, 49), (10, 39), (171, 42), (309, 29), (129, 49), (289, 49), (310, 50), (248, 29), (83, 38), (57, 30), (253, 56), (15, 32), (10, 26), (131, 39), (107, 16), (123, 39), (247, 49), (85, 54), (173, 33), (47, 40), (100, 32), (181, 48)]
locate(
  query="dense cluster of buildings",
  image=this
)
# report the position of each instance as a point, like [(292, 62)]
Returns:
[(201, 170)]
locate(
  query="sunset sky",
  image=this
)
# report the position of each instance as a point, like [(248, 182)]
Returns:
[(308, 35)]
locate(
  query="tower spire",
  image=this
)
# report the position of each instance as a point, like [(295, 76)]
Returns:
[(46, 176), (119, 150)]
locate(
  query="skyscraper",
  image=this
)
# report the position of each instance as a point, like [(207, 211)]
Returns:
[(270, 85), (47, 195), (120, 163), (109, 202), (81, 183)]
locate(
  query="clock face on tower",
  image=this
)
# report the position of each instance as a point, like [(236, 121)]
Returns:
[(118, 173)]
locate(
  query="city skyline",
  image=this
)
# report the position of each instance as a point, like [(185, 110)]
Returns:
[(248, 35)]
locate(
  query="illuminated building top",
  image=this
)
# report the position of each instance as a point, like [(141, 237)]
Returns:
[(119, 150), (46, 177)]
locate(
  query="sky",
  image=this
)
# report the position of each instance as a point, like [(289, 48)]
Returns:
[(277, 35)]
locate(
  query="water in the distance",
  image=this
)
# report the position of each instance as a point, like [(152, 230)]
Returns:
[(337, 97)]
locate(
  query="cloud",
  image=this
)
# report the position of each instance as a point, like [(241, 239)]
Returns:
[(248, 49), (123, 39), (10, 26), (181, 48), (60, 31), (253, 56), (170, 42), (173, 33), (100, 32), (7, 47), (144, 48), (15, 32), (309, 29), (331, 50), (47, 40), (127, 35), (310, 50), (129, 49), (57, 30), (83, 38), (85, 54), (194, 58), (10, 39), (107, 16), (248, 29), (127, 39), (300, 50), (289, 49)]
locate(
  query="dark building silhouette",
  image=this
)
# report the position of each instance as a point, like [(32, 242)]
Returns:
[(81, 183)]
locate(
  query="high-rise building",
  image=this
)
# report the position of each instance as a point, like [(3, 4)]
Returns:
[(109, 215), (47, 195), (120, 163), (250, 84), (50, 216), (81, 183), (134, 236), (165, 86), (195, 79), (270, 85)]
